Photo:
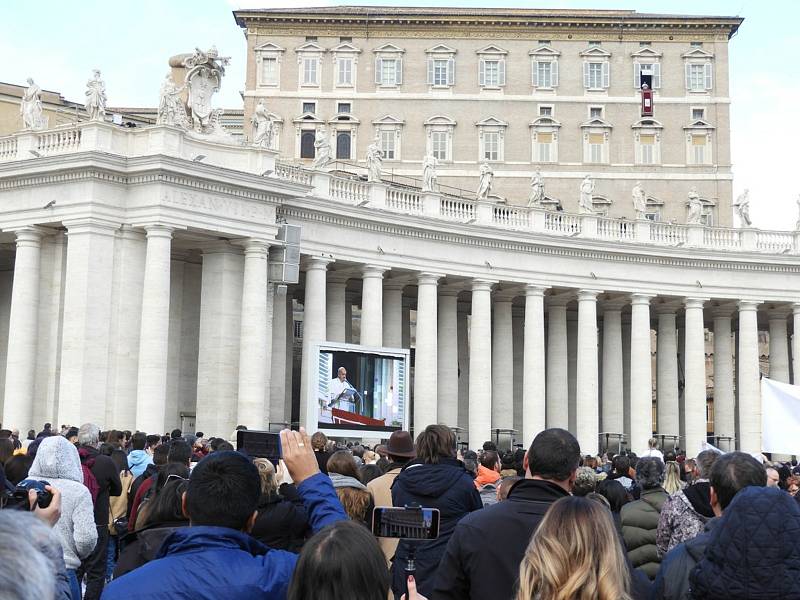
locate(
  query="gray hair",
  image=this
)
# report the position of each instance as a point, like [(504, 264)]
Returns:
[(649, 472), (89, 435), (585, 481), (704, 461), (28, 562)]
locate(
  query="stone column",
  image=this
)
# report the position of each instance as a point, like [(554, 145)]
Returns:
[(23, 328), (534, 406), (393, 314), (372, 306), (255, 339), (287, 412), (518, 343), (463, 366), (796, 343), (668, 396), (502, 363), (447, 354), (587, 421), (405, 323), (336, 307), (694, 412), (612, 413), (151, 386), (220, 331), (83, 386), (280, 357), (778, 346), (749, 387), (480, 364), (724, 400), (426, 354), (557, 390), (641, 374), (314, 325)]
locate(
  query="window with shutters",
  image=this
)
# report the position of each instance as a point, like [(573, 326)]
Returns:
[(647, 149), (439, 133), (699, 139), (492, 67), (269, 71), (310, 71), (596, 68), (268, 61), (441, 66), (544, 136), (595, 74), (544, 67), (440, 72), (345, 65), (544, 143), (344, 72), (699, 70), (387, 139), (388, 66), (491, 138), (388, 129), (491, 143), (698, 149), (596, 144), (647, 141), (646, 68), (309, 62), (440, 145)]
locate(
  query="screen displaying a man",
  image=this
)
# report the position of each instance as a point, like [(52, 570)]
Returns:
[(341, 392)]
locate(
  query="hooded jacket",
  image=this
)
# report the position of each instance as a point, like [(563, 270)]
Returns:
[(209, 563), (446, 486), (282, 522), (105, 471), (57, 462), (138, 461), (683, 516), (639, 524), (754, 551)]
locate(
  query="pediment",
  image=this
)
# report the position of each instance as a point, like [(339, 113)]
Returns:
[(545, 51), (544, 122), (699, 124), (307, 117), (491, 49), (440, 120), (647, 123), (602, 200), (389, 120), (440, 49), (386, 48), (597, 123), (650, 201), (697, 53), (310, 47), (646, 52), (269, 47), (596, 52), (346, 47), (491, 122), (344, 118)]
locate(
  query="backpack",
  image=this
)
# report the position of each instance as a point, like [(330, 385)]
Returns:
[(89, 480)]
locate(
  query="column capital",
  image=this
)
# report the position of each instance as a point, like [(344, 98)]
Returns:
[(426, 278), (534, 289), (91, 225), (640, 299), (159, 230), (30, 236), (338, 277), (253, 245), (483, 285), (588, 295), (722, 312), (376, 271), (778, 314), (694, 303), (393, 284), (219, 247), (748, 305), (449, 291), (314, 263), (505, 295)]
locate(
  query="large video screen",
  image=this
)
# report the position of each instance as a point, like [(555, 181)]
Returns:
[(360, 391)]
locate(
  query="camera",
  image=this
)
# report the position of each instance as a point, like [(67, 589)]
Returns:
[(20, 494)]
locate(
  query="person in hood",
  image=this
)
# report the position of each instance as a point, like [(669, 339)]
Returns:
[(139, 457), (282, 521), (353, 494), (685, 513), (215, 557), (753, 551), (435, 479), (58, 463)]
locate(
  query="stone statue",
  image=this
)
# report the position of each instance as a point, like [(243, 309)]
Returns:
[(96, 97), (797, 225), (536, 195), (203, 79), (639, 200), (742, 206), (170, 106), (374, 160), (694, 205), (485, 182), (587, 193), (31, 107), (262, 126), (322, 149), (429, 173)]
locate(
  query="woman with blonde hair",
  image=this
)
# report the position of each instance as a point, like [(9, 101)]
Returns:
[(672, 478), (353, 494), (575, 554)]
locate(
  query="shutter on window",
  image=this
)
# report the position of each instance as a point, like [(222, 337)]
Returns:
[(688, 69), (451, 71), (606, 74), (535, 73), (398, 73), (637, 75), (709, 69), (378, 71), (656, 76), (501, 72), (554, 73), (481, 72), (586, 75), (430, 71)]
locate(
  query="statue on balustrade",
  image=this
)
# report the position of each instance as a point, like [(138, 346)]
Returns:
[(797, 225), (742, 206), (429, 173), (586, 205), (536, 195), (639, 200), (485, 182), (694, 206), (96, 97), (31, 107), (262, 126), (170, 106), (374, 159), (322, 149)]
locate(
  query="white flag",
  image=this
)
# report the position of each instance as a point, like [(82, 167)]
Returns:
[(780, 417)]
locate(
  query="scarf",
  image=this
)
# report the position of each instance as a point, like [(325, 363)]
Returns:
[(341, 481)]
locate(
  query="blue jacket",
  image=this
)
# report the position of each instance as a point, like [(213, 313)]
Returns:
[(138, 461), (209, 563), (753, 551)]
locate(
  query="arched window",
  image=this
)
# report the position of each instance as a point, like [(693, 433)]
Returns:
[(307, 144), (343, 145)]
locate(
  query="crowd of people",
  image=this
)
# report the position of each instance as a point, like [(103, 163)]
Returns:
[(185, 516)]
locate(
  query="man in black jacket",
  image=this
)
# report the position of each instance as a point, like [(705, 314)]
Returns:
[(731, 472), (483, 555), (107, 476)]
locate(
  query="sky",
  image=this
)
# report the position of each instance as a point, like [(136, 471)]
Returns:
[(59, 43)]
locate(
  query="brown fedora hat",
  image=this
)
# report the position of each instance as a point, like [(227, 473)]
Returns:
[(400, 444)]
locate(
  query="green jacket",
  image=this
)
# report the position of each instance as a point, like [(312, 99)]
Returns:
[(639, 525)]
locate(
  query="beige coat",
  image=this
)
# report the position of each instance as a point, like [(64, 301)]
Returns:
[(381, 488)]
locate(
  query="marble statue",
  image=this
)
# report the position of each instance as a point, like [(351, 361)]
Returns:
[(639, 200), (262, 126), (31, 107), (374, 160), (203, 79), (429, 173), (587, 193), (170, 107), (322, 149), (797, 225), (96, 97), (694, 205), (485, 182), (536, 195), (742, 206)]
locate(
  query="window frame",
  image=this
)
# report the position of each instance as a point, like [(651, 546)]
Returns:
[(544, 125), (494, 129), (310, 51), (697, 57), (647, 127), (389, 53), (495, 56), (436, 56), (601, 80), (390, 125), (440, 125), (268, 51)]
